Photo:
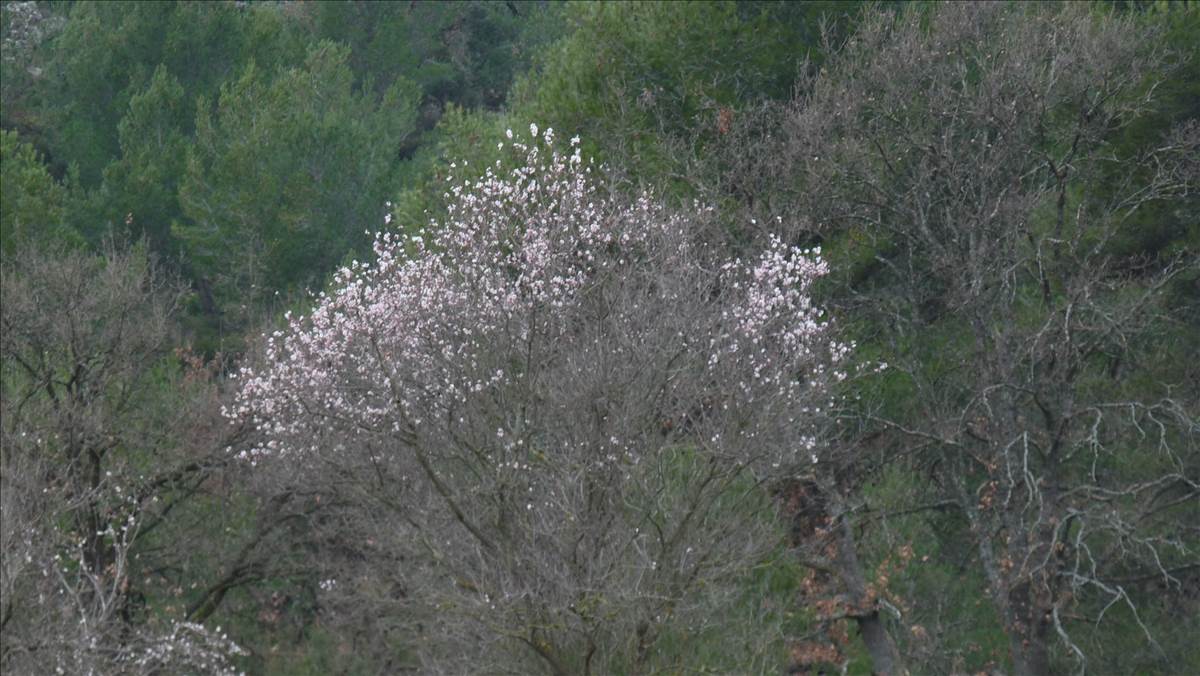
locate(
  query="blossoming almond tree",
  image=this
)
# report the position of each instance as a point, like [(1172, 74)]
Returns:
[(551, 415)]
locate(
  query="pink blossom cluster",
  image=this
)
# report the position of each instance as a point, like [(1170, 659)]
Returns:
[(414, 336), (776, 326)]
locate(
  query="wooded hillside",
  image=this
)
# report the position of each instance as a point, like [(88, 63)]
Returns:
[(600, 337)]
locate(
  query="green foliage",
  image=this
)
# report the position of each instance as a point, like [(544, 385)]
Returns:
[(465, 53), (141, 188), (34, 205), (460, 135), (287, 172), (649, 84), (115, 92), (25, 29), (109, 51)]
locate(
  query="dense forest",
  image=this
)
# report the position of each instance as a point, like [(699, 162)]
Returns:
[(600, 337)]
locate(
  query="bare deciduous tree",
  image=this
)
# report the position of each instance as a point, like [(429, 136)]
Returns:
[(966, 152), (91, 462)]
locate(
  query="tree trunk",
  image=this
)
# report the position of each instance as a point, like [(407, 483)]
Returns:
[(1028, 633), (1029, 656), (885, 657), (824, 540)]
